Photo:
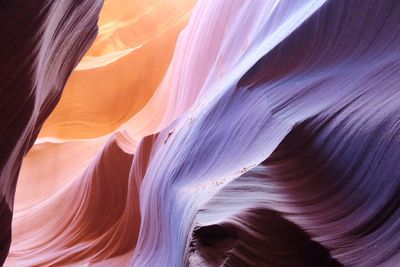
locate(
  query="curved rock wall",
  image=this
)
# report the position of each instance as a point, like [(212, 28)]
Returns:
[(41, 43), (271, 140)]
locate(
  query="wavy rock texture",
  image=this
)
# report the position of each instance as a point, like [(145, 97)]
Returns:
[(271, 140), (70, 176), (325, 73), (41, 43), (121, 70)]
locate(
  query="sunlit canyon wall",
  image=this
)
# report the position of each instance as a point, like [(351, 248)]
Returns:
[(200, 133)]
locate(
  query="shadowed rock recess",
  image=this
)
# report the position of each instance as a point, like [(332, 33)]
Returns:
[(200, 133), (41, 43)]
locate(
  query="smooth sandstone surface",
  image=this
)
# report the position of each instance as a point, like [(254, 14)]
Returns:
[(41, 43), (201, 133)]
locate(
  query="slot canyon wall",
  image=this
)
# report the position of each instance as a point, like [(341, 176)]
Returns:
[(200, 133)]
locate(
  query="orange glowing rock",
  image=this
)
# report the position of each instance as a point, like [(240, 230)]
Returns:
[(122, 69)]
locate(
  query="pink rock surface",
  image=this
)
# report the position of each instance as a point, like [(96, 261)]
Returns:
[(271, 139), (41, 43)]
